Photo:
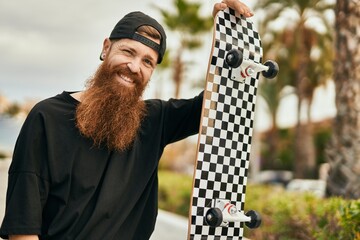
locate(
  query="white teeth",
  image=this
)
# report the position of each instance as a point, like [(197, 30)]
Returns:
[(126, 79)]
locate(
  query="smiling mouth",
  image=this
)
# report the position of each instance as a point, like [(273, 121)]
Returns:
[(125, 80)]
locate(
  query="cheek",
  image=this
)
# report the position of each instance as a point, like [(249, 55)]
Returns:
[(115, 60), (147, 74)]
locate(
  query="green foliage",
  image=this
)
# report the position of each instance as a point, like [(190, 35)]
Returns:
[(187, 18), (189, 27), (285, 151), (350, 220), (288, 216), (285, 147), (175, 192), (285, 215), (322, 137), (187, 21), (305, 56)]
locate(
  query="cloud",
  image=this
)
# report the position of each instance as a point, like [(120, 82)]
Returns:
[(48, 46)]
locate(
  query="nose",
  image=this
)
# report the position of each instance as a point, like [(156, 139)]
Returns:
[(134, 66)]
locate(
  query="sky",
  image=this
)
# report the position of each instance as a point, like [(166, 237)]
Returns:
[(48, 46)]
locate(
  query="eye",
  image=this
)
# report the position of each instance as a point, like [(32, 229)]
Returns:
[(127, 51), (149, 62)]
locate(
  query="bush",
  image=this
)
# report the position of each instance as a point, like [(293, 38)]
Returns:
[(350, 220), (175, 192), (285, 215), (288, 216)]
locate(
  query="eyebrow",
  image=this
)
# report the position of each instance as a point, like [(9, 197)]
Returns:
[(148, 56)]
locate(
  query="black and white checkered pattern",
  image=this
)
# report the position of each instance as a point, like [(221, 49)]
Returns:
[(226, 129)]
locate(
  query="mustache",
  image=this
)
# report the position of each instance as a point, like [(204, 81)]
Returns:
[(106, 105), (124, 70)]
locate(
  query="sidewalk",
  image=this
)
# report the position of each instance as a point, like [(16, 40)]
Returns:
[(170, 226)]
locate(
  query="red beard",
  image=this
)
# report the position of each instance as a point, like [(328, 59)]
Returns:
[(111, 113)]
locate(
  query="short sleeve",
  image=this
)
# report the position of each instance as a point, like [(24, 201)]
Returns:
[(25, 196), (28, 180), (182, 118)]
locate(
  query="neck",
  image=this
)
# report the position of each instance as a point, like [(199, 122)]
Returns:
[(77, 95)]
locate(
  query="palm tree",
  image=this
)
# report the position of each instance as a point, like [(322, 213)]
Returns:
[(160, 69), (189, 26), (344, 149), (300, 40), (272, 91)]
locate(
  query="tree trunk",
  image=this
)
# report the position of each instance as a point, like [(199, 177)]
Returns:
[(343, 153), (273, 142), (178, 70), (305, 161)]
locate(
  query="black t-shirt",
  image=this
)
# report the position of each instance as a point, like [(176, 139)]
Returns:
[(61, 187)]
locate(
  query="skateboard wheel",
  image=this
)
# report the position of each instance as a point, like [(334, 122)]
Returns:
[(255, 219), (272, 71), (234, 58), (213, 217)]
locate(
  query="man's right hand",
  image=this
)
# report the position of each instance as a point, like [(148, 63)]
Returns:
[(237, 5)]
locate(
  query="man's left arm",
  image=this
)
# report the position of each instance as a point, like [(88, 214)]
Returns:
[(182, 118)]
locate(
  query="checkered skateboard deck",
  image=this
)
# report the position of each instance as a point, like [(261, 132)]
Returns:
[(226, 128)]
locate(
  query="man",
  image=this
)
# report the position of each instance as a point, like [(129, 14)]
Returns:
[(85, 163)]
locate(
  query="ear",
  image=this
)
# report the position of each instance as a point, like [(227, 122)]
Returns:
[(106, 48)]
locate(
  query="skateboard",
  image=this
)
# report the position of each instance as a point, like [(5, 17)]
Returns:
[(224, 142)]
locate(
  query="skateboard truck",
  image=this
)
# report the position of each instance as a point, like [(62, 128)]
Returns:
[(242, 68), (224, 212)]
